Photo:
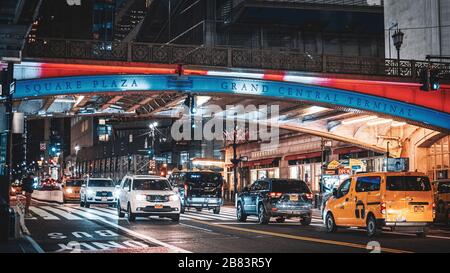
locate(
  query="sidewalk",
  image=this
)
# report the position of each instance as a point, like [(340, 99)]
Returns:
[(21, 245)]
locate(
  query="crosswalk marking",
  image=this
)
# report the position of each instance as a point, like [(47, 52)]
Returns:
[(87, 215), (44, 214), (111, 214), (62, 213)]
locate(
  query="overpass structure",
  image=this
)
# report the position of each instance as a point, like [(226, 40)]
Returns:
[(364, 101)]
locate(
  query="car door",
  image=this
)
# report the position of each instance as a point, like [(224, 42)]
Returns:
[(364, 196), (340, 206), (250, 199)]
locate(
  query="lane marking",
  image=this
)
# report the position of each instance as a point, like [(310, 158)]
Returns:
[(44, 214), (301, 238), (144, 237), (62, 213), (35, 245), (195, 227)]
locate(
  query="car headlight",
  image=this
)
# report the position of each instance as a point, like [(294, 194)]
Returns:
[(140, 197), (90, 192), (69, 190), (173, 197)]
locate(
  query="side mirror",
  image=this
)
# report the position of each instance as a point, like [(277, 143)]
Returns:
[(335, 192), (245, 189)]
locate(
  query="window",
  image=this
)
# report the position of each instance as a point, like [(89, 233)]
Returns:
[(126, 184), (344, 188), (368, 183), (264, 186), (408, 183), (444, 187), (255, 186), (151, 185), (290, 186)]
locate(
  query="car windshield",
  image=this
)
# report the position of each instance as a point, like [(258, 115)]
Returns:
[(290, 186), (100, 183), (151, 185), (204, 177), (74, 183), (408, 183)]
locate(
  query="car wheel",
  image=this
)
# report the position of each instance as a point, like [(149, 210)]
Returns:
[(81, 203), (305, 221), (263, 218), (176, 218), (119, 210), (280, 220), (182, 209), (240, 214), (216, 210), (330, 224), (423, 233), (198, 209), (372, 226), (87, 204), (131, 216), (441, 208)]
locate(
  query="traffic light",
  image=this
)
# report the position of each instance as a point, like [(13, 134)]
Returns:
[(434, 79), (429, 78)]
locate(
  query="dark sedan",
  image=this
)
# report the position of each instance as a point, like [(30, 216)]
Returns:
[(280, 198)]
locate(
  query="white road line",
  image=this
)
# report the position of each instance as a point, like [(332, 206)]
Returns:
[(144, 237), (101, 213), (105, 209), (195, 217), (42, 213), (62, 213), (190, 226), (209, 216), (87, 215)]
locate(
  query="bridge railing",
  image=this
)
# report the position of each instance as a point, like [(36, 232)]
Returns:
[(276, 59)]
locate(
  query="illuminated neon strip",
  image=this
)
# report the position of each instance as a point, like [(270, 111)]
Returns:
[(230, 85)]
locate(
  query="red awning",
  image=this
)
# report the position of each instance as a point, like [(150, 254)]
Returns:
[(348, 150), (303, 156), (266, 161)]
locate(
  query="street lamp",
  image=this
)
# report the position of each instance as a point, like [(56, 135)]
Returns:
[(397, 37)]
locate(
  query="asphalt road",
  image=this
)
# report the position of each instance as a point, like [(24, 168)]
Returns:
[(70, 228)]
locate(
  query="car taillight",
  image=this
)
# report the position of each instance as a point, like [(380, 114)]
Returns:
[(275, 194), (309, 196), (383, 208), (185, 189), (434, 210)]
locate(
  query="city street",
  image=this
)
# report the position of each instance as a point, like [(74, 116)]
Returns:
[(70, 228)]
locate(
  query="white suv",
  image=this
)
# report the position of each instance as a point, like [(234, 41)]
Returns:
[(147, 195), (98, 191)]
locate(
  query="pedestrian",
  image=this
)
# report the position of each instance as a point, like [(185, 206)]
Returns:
[(27, 187)]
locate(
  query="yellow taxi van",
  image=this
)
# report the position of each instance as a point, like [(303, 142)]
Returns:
[(401, 201), (442, 199)]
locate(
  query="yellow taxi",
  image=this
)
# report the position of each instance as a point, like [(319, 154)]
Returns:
[(396, 200), (442, 199), (71, 189)]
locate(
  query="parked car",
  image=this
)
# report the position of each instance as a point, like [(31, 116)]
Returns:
[(147, 195), (97, 191), (198, 189), (280, 198), (400, 201), (71, 189), (442, 199)]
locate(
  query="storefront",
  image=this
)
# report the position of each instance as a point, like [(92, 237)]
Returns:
[(438, 156), (306, 167), (264, 168)]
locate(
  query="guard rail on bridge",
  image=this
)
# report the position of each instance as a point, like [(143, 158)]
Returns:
[(274, 59)]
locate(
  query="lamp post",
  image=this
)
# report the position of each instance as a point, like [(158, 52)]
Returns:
[(397, 37)]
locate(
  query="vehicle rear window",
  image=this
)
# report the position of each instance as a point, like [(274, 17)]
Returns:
[(204, 177), (151, 185), (408, 183), (444, 187), (100, 183), (368, 183), (290, 186), (74, 183)]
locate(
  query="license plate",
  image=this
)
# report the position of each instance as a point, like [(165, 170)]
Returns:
[(104, 199), (419, 209), (293, 197), (159, 206)]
